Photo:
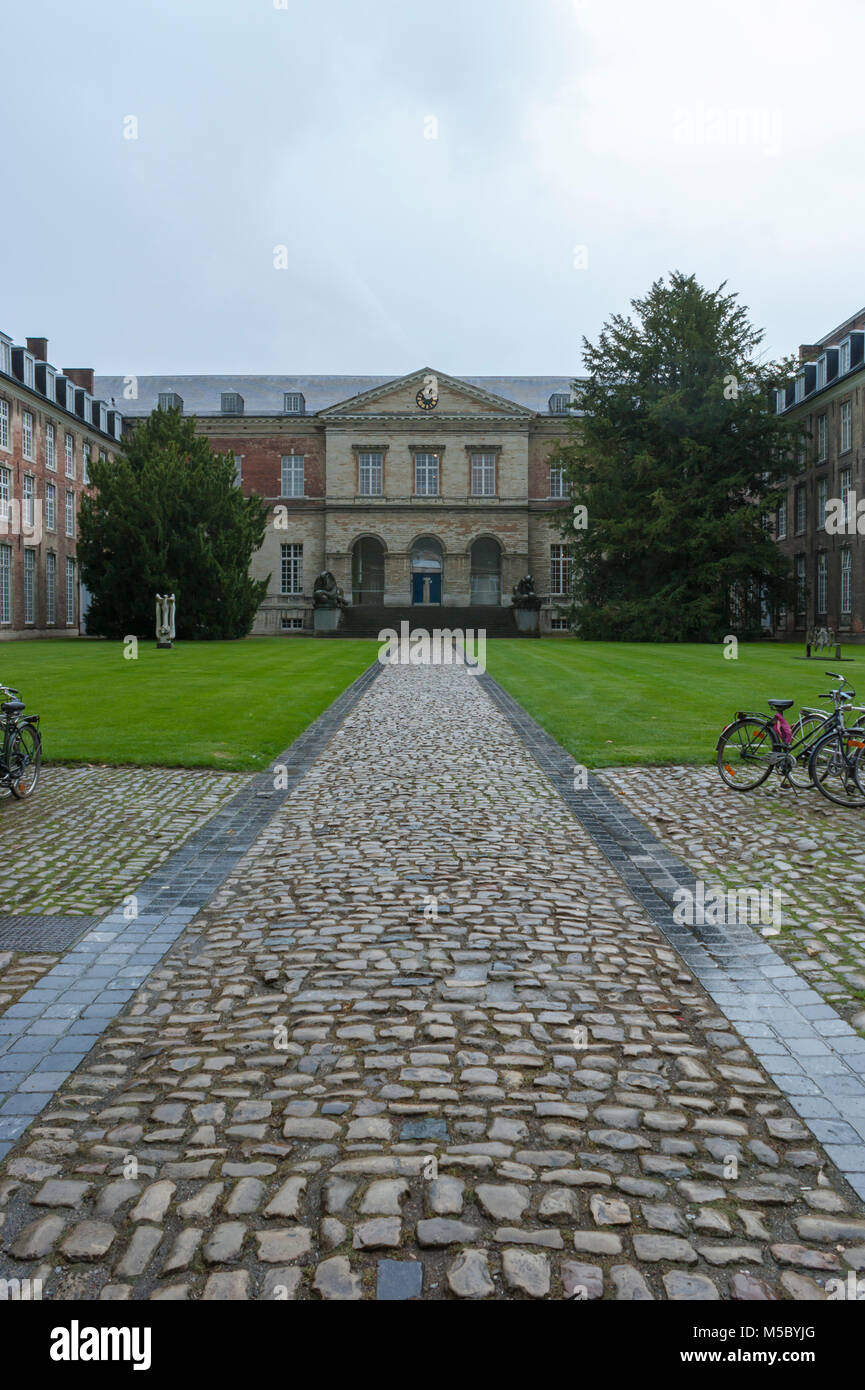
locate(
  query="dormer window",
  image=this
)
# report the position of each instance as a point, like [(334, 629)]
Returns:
[(821, 372), (29, 370), (560, 402), (5, 355), (844, 357), (781, 399), (293, 403), (800, 387), (169, 400), (232, 403)]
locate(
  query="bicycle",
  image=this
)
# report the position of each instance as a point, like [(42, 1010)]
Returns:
[(21, 748), (832, 764), (755, 744)]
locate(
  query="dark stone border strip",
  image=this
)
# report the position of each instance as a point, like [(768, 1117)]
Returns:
[(812, 1054), (46, 1033)]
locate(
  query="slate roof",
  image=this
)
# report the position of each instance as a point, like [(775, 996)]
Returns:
[(263, 395)]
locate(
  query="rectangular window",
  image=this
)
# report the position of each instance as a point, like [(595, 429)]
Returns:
[(50, 447), (558, 482), (846, 423), (369, 474), (50, 588), (70, 513), (846, 582), (50, 506), (801, 510), (85, 463), (822, 439), (29, 586), (483, 475), (5, 583), (822, 493), (822, 586), (292, 482), (800, 586), (292, 624), (844, 357), (561, 565), (781, 519), (844, 480), (4, 424), (70, 456), (102, 456), (293, 404), (29, 499), (426, 475), (558, 624), (70, 591), (5, 494), (291, 569), (238, 469), (27, 435)]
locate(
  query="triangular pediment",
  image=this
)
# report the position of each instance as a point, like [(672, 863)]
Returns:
[(440, 394)]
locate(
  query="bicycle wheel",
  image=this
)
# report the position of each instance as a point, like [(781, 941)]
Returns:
[(746, 754), (25, 760), (805, 731), (831, 766)]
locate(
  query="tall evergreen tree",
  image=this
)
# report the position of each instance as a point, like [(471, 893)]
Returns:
[(677, 458), (167, 516)]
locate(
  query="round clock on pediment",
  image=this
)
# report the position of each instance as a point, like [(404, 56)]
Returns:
[(428, 396)]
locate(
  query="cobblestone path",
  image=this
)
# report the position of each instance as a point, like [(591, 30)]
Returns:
[(797, 845), (423, 1043)]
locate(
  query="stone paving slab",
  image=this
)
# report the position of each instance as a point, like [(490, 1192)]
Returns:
[(425, 1041), (91, 833), (46, 1032), (813, 1054), (795, 845)]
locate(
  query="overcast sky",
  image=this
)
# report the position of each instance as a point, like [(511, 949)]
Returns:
[(471, 184)]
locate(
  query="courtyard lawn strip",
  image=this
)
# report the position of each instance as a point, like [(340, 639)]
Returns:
[(621, 703), (231, 705)]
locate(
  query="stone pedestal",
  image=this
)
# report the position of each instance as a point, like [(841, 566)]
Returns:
[(528, 621), (325, 620)]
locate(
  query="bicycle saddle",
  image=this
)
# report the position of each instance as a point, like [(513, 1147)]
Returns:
[(11, 707), (779, 704)]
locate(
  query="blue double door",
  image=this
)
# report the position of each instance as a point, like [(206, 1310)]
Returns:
[(432, 583)]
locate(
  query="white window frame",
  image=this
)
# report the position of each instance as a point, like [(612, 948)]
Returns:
[(844, 484), (50, 506), (238, 469), (69, 455), (846, 426), (844, 355), (5, 493), (70, 591), (50, 589), (822, 438), (51, 446), (781, 520), (846, 582), (27, 446), (69, 512), (28, 500), (822, 584), (5, 583), (86, 448), (292, 475), (29, 586), (558, 481), (801, 503), (484, 463), (370, 473), (4, 424), (822, 495), (290, 569), (561, 569), (426, 474)]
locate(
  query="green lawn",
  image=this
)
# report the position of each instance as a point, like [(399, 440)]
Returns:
[(613, 703), (204, 704)]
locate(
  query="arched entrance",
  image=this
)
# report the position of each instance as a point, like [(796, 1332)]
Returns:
[(486, 571), (427, 567), (367, 571)]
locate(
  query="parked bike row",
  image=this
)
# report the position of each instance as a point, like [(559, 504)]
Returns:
[(20, 747), (821, 749)]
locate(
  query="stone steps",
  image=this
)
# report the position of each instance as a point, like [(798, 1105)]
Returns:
[(368, 620)]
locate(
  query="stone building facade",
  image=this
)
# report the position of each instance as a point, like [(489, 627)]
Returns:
[(424, 491), (818, 524), (51, 425)]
